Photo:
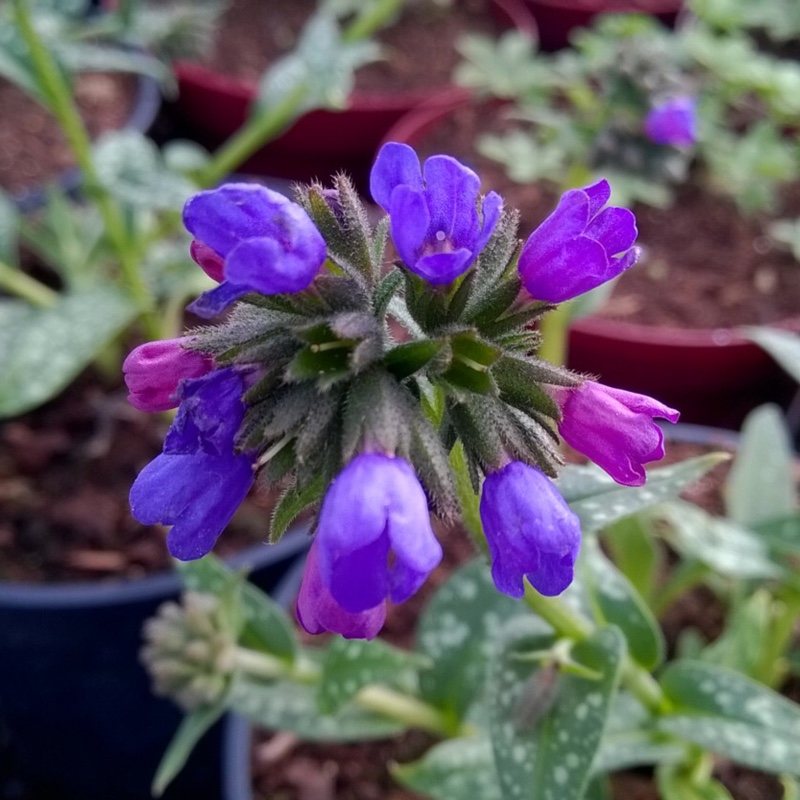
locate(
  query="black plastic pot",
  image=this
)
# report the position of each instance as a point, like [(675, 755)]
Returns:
[(236, 780), (77, 714), (147, 104)]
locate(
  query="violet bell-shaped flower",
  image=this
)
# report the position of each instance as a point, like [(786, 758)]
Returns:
[(318, 612), (265, 242), (374, 537), (530, 530), (199, 480), (613, 428), (436, 224), (579, 246), (154, 370), (673, 121)]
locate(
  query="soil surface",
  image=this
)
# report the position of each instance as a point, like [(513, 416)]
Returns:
[(32, 148), (65, 473), (417, 50), (704, 266)]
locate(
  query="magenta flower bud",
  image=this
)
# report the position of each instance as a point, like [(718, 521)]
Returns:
[(154, 370), (374, 536), (530, 530), (579, 246), (210, 262), (613, 428), (318, 612), (439, 227), (673, 121)]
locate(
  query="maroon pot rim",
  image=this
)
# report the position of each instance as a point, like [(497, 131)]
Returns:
[(602, 6), (673, 337)]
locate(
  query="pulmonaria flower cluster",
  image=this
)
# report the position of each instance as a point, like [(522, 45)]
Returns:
[(304, 386)]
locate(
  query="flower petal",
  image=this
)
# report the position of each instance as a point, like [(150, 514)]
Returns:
[(410, 220), (442, 268), (395, 165), (451, 190)]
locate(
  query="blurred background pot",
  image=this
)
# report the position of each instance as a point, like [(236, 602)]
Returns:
[(76, 710)]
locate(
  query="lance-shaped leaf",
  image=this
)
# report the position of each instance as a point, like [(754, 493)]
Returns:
[(552, 756), (732, 715), (409, 357)]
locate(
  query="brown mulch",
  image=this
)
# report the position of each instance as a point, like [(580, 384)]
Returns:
[(418, 50), (32, 148)]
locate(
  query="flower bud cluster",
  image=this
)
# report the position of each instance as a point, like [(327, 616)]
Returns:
[(189, 651), (346, 378)]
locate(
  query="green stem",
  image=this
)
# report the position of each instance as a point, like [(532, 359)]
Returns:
[(410, 711), (570, 624), (260, 129), (376, 15), (61, 103), (22, 285), (554, 328)]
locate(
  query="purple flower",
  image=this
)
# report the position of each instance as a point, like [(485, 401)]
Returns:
[(210, 262), (199, 480), (613, 428), (154, 370), (268, 243), (374, 536), (673, 121), (574, 249), (530, 530), (436, 226), (318, 612)]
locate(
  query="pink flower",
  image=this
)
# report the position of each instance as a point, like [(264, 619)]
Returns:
[(154, 370), (613, 428), (317, 611)]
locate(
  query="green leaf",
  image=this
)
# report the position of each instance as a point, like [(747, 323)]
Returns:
[(266, 624), (351, 664), (456, 632), (727, 548), (292, 502), (599, 501), (616, 602), (285, 706), (43, 349), (408, 358), (761, 483), (634, 551), (732, 715), (9, 229), (551, 758), (456, 769), (189, 733), (680, 783)]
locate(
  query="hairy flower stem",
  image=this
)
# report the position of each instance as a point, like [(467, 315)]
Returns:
[(61, 104), (554, 328), (571, 625), (381, 700), (18, 283)]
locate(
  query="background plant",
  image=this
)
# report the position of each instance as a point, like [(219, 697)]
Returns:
[(116, 260), (580, 112)]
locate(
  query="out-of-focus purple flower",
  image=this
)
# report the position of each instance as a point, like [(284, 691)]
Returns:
[(575, 248), (530, 530), (613, 428), (318, 612), (436, 225), (199, 480), (673, 121), (267, 243), (374, 536), (154, 370)]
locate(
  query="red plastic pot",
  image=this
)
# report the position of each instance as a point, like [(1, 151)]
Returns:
[(713, 377), (557, 18), (321, 142)]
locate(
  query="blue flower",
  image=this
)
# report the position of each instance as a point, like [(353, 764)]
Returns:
[(530, 530), (673, 121), (199, 480), (374, 536), (575, 249), (268, 243), (437, 227)]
